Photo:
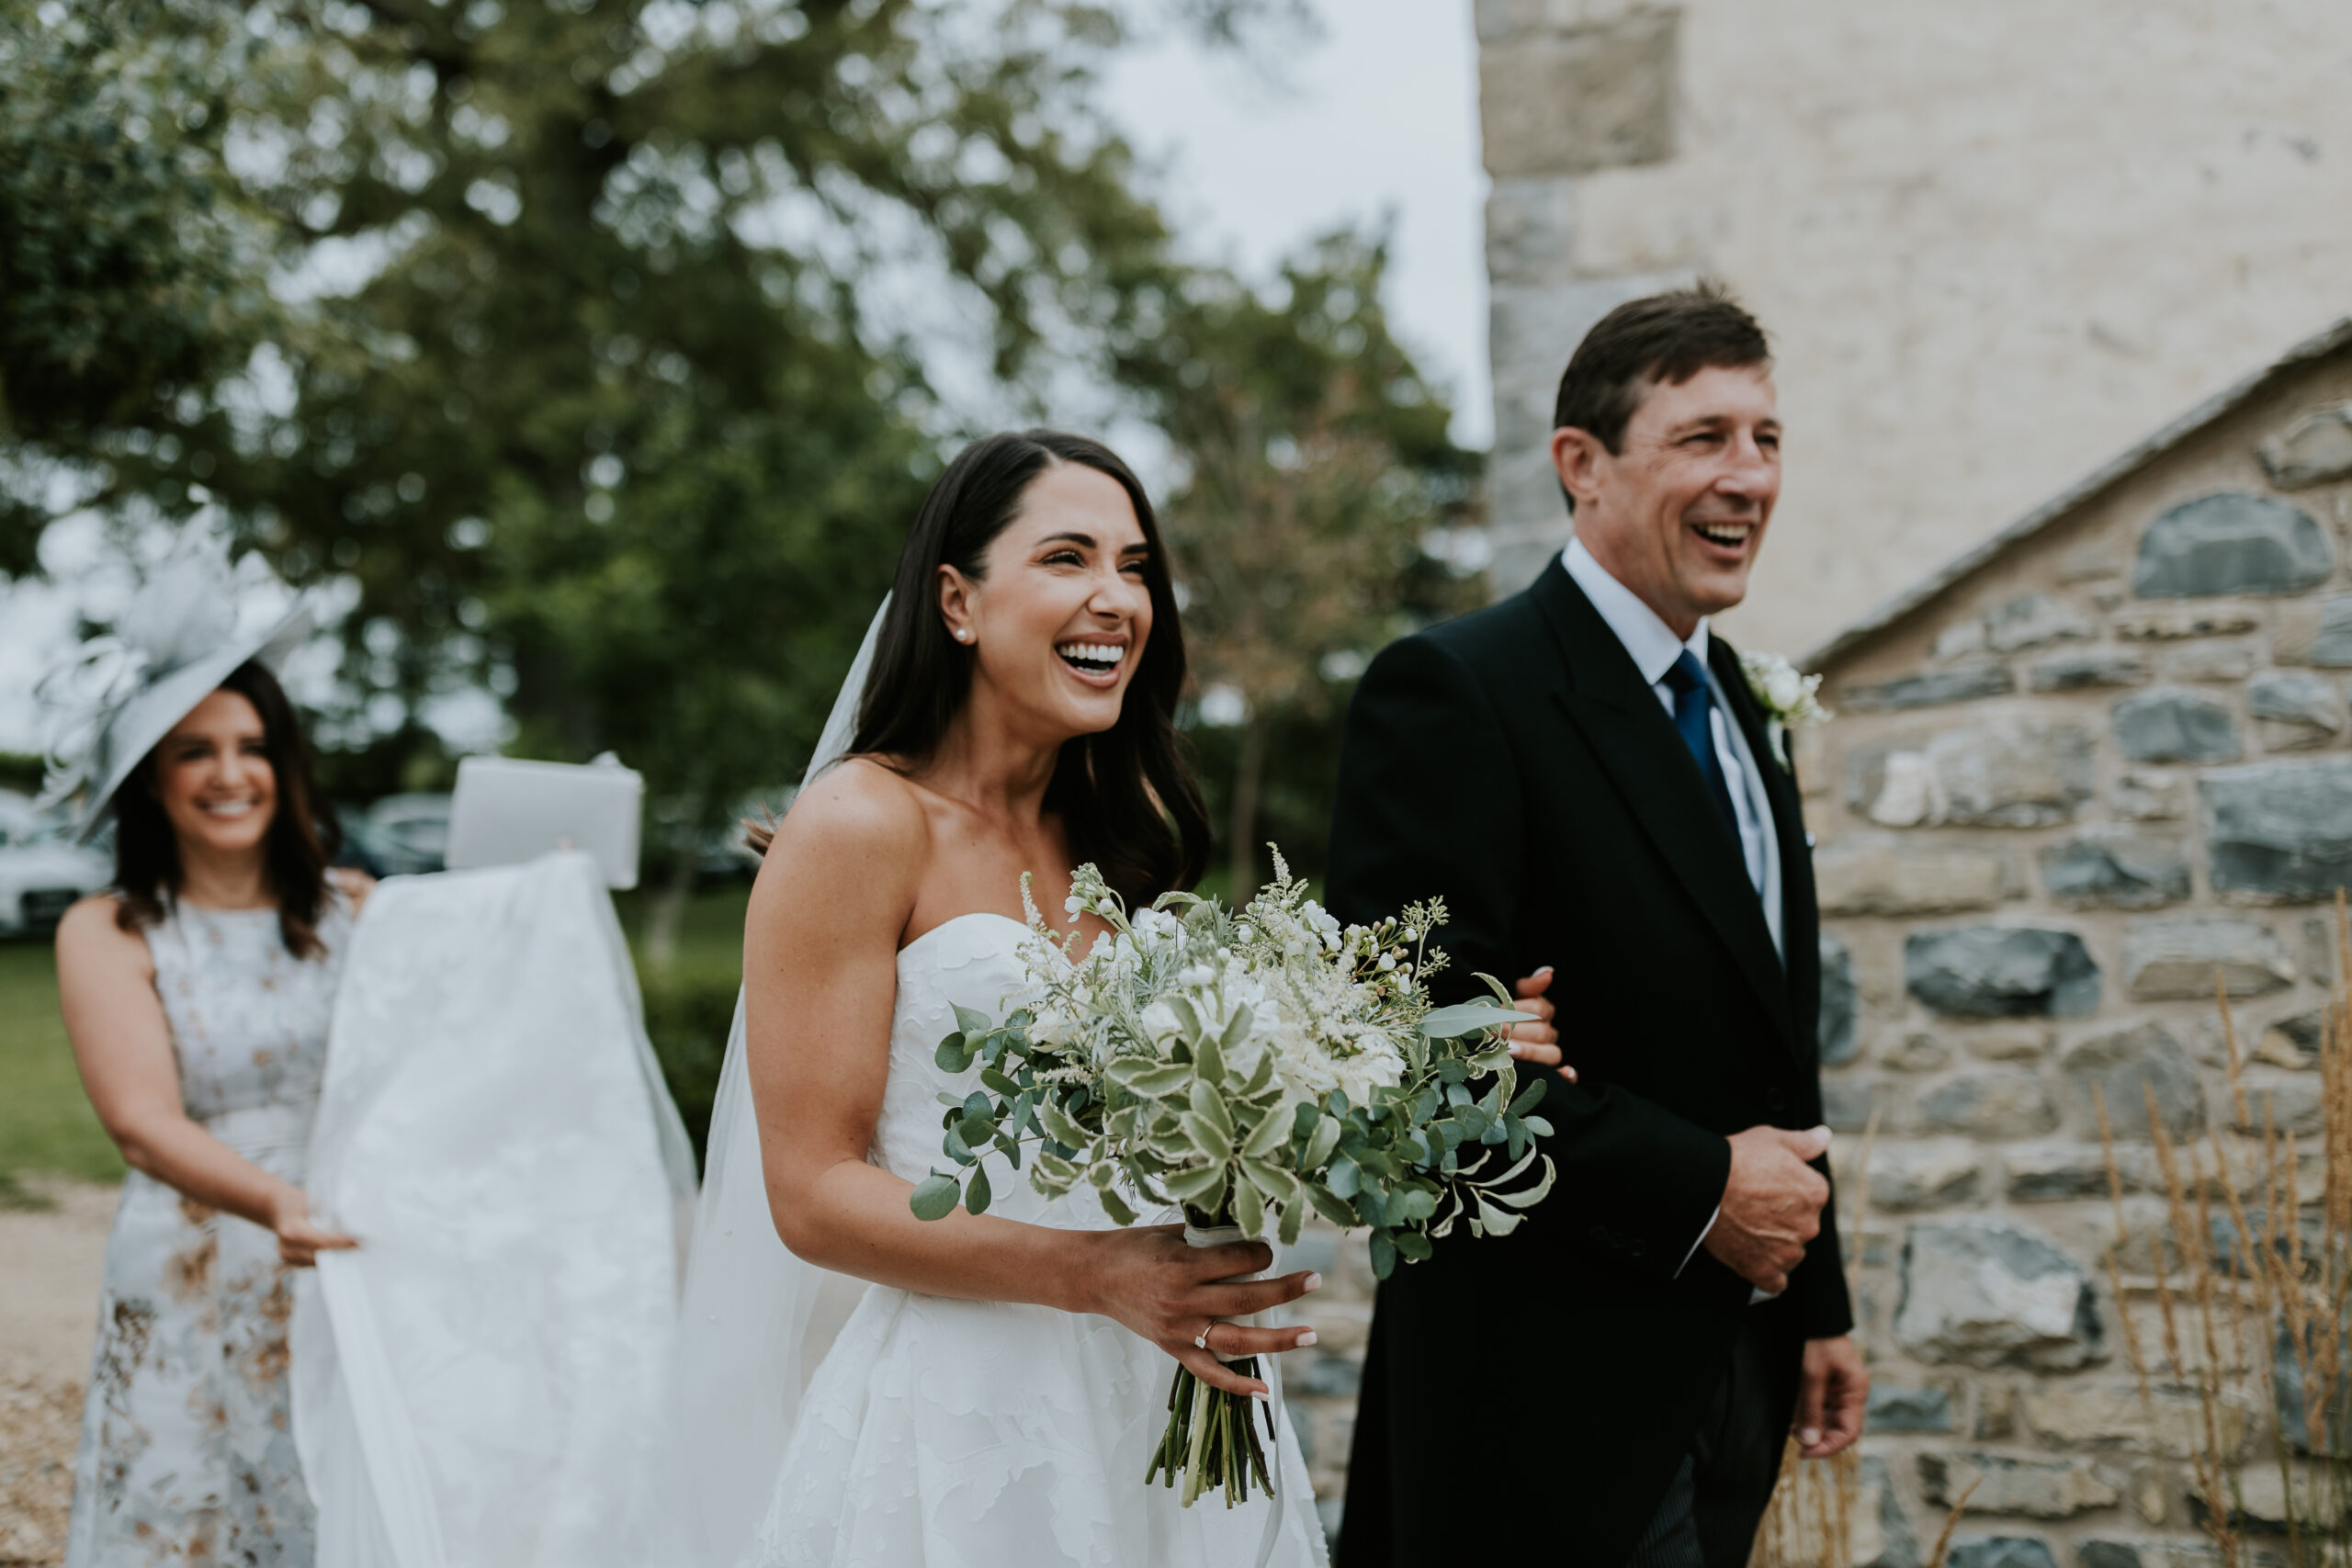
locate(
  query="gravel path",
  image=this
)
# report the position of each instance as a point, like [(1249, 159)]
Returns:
[(48, 1308)]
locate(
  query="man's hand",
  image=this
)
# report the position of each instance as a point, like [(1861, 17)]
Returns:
[(1772, 1204), (1831, 1397), (1537, 1043)]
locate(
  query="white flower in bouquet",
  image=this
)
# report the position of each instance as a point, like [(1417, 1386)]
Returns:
[(1247, 1069)]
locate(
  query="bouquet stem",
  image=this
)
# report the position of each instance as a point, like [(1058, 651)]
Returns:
[(1211, 1440)]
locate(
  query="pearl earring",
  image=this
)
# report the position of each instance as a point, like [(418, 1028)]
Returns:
[(963, 634)]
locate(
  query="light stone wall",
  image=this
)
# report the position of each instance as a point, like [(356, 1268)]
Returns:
[(1994, 243), (2059, 795)]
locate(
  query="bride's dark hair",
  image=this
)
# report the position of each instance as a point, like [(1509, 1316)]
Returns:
[(1126, 796)]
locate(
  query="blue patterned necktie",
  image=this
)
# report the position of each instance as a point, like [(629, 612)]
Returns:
[(1693, 700)]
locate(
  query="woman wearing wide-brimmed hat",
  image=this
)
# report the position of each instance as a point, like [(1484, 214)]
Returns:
[(197, 992)]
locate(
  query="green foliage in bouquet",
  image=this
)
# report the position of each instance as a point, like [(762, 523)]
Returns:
[(1247, 1069)]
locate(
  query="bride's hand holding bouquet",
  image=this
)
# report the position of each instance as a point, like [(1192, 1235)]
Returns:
[(1247, 1069)]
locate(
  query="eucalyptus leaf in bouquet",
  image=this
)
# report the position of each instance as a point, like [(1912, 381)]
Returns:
[(1247, 1069)]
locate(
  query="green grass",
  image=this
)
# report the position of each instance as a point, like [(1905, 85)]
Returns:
[(46, 1123), (48, 1128)]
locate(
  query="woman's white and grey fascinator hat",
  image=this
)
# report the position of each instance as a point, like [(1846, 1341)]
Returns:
[(112, 700)]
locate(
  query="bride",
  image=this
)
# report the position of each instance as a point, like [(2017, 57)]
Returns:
[(994, 1396)]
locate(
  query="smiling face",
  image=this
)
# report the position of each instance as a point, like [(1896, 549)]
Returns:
[(1058, 619), (1678, 514), (213, 777)]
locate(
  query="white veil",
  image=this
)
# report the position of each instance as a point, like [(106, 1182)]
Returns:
[(748, 1302)]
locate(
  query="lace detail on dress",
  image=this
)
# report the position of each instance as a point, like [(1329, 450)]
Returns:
[(940, 1433)]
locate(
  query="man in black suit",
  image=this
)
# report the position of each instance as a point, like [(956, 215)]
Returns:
[(1584, 773)]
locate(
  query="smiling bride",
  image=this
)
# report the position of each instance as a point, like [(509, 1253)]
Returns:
[(995, 1394)]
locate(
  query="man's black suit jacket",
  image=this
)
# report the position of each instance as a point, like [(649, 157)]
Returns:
[(1527, 1399)]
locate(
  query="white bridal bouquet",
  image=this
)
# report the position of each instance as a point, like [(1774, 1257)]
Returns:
[(1248, 1068)]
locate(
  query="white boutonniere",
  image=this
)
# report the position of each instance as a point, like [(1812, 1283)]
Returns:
[(1790, 698)]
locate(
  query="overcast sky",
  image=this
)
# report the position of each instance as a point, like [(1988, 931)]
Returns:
[(1377, 118)]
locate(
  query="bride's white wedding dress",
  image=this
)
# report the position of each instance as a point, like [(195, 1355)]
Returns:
[(959, 1434)]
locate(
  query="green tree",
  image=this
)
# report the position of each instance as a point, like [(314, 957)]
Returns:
[(598, 377), (1319, 463), (131, 279)]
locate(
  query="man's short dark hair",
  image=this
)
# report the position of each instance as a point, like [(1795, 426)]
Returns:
[(1661, 339)]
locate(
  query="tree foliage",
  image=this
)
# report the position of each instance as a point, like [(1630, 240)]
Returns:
[(130, 281), (1319, 462), (595, 348)]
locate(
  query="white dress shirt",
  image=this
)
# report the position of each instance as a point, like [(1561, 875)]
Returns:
[(1654, 648)]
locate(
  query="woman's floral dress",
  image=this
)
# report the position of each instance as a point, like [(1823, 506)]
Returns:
[(188, 1454)]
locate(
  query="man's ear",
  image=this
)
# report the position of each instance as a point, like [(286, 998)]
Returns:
[(1575, 458)]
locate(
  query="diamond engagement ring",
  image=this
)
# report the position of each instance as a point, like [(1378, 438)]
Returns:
[(1201, 1340)]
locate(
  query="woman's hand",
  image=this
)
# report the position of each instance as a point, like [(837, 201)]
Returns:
[(300, 1238), (1147, 1278), (1539, 1042)]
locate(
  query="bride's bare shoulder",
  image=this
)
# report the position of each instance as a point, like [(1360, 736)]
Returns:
[(860, 818)]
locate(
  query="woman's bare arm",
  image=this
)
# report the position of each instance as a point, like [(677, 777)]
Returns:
[(122, 1046), (820, 979)]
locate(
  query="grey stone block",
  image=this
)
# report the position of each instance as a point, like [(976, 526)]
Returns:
[(2000, 1552), (1577, 99), (2313, 450), (2116, 869), (2085, 669), (2149, 794), (2332, 643), (2279, 830), (1881, 1536), (2046, 1489), (1893, 1409), (2004, 772), (2030, 620), (2296, 697), (1905, 1178), (2058, 1173), (1980, 1291), (1335, 1377), (2174, 725), (2221, 659), (2171, 623), (1932, 688), (1846, 1104), (1885, 874), (1993, 1105), (1531, 230), (2002, 971), (2177, 959), (1918, 1054), (2125, 1070), (2231, 543), (1839, 1002)]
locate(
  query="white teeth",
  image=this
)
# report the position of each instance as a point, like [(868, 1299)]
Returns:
[(1092, 653), (226, 807), (1723, 533)]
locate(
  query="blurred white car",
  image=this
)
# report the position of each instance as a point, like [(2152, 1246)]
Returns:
[(41, 870)]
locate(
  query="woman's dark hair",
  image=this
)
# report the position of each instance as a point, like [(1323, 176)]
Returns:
[(1126, 796), (302, 842)]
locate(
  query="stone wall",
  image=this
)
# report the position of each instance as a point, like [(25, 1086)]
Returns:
[(2060, 796), (1994, 243)]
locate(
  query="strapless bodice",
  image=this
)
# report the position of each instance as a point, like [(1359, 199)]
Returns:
[(974, 960)]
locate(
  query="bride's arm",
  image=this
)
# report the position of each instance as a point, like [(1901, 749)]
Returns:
[(820, 981)]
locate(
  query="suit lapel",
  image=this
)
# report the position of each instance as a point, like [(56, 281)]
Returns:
[(1629, 731), (1798, 914)]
